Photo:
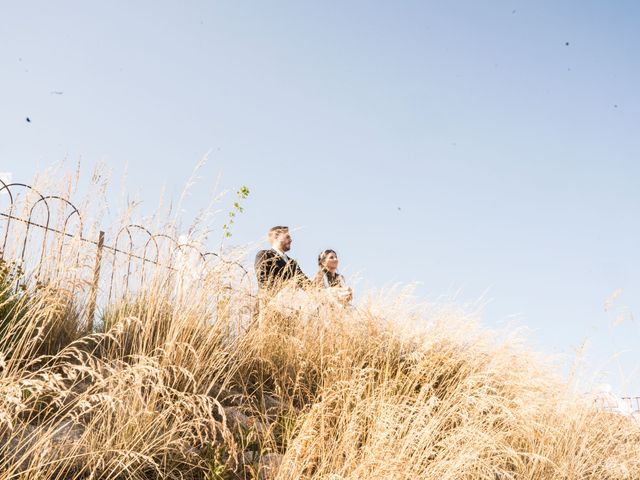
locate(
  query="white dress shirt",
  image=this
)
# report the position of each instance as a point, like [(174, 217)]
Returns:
[(281, 253)]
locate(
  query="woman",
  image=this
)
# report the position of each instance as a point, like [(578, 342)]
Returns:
[(328, 277)]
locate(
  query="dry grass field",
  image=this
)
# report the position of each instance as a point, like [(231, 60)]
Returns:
[(190, 380)]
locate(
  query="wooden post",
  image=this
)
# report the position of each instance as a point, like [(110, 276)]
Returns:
[(94, 287)]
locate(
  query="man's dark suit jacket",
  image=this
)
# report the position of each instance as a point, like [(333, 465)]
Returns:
[(272, 270)]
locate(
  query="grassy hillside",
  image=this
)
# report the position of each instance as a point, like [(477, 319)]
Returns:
[(189, 379), (164, 392)]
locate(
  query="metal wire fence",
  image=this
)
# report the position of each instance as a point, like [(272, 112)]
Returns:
[(48, 230)]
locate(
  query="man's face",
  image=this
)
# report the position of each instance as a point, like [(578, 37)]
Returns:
[(283, 241)]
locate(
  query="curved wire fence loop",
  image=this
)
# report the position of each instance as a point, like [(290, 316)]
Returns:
[(124, 229), (245, 273), (159, 240), (144, 253), (78, 234), (5, 187), (130, 254), (45, 227), (188, 270), (158, 237), (64, 233), (152, 238), (191, 246)]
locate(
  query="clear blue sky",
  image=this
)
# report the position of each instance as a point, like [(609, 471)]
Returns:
[(507, 133)]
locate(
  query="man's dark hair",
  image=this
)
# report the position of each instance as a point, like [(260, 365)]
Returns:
[(277, 229)]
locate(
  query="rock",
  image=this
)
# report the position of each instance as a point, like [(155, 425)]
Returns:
[(272, 403), (29, 440), (238, 420), (249, 457), (269, 465), (68, 432)]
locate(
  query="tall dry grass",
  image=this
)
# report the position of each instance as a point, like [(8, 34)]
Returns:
[(190, 379)]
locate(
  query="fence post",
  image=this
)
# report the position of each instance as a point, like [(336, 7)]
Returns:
[(94, 287)]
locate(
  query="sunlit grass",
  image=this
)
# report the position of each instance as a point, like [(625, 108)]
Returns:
[(193, 380)]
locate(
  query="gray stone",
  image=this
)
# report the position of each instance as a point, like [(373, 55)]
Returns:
[(269, 465), (236, 419)]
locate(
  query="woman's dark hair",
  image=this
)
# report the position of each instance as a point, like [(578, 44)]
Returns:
[(324, 254), (332, 278)]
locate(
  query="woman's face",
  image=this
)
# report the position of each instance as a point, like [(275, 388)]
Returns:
[(330, 262)]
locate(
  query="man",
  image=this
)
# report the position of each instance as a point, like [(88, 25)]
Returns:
[(274, 267)]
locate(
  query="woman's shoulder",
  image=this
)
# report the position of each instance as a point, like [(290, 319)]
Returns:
[(318, 279)]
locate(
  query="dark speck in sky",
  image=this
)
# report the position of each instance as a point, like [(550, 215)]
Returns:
[(513, 11), (56, 92), (28, 120), (615, 106), (566, 44)]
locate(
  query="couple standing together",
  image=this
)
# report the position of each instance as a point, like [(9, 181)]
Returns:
[(274, 268)]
